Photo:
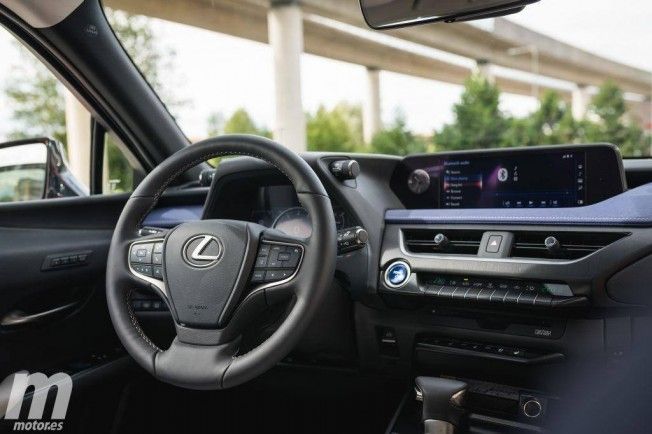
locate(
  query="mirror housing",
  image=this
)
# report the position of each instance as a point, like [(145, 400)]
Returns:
[(36, 169), (390, 14)]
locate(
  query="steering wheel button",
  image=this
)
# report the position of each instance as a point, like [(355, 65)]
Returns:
[(142, 253), (293, 261), (148, 271), (157, 259), (261, 261), (273, 275), (158, 248), (283, 256), (143, 269), (263, 250), (157, 273), (258, 276)]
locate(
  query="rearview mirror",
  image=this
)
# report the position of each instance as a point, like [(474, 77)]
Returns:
[(35, 169), (387, 14)]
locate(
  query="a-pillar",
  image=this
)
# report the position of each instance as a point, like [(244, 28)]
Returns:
[(78, 138), (285, 27), (371, 115)]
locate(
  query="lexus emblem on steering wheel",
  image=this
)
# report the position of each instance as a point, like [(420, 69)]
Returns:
[(202, 251)]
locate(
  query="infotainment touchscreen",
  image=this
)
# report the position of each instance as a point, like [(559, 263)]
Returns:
[(529, 180), (524, 178)]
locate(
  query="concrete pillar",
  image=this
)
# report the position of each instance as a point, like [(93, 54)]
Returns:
[(371, 114), (285, 23), (580, 101), (78, 135), (483, 69)]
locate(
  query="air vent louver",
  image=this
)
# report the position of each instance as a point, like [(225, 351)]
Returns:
[(572, 245), (461, 242)]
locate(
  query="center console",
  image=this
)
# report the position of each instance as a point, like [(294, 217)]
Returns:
[(488, 278)]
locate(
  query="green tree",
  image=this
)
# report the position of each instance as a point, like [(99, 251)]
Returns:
[(478, 123), (241, 122), (552, 123), (397, 139), (336, 130), (610, 110), (36, 98)]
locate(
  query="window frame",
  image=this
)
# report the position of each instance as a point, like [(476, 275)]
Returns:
[(52, 47)]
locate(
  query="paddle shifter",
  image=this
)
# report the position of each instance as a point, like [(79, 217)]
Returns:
[(442, 404)]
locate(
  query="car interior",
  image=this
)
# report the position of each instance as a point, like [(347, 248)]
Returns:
[(488, 290)]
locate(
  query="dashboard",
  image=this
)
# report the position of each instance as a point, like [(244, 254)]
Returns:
[(510, 263)]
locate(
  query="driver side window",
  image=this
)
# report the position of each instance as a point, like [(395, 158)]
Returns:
[(35, 106)]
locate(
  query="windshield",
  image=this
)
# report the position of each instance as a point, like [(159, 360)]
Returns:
[(557, 73)]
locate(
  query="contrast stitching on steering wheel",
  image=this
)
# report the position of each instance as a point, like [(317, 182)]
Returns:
[(136, 324)]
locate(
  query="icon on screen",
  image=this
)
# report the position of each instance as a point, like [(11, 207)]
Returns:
[(503, 174)]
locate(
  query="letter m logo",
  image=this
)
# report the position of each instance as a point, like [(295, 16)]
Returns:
[(42, 385)]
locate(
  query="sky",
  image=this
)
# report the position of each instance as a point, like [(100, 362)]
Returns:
[(219, 73)]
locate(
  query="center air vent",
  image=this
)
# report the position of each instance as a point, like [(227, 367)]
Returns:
[(570, 245), (461, 242)]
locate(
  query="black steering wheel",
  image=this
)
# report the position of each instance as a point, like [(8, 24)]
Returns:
[(216, 276)]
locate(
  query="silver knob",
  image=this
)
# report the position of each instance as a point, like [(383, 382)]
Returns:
[(552, 244), (361, 236), (441, 240)]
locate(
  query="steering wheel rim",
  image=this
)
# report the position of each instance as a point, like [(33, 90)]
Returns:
[(204, 354)]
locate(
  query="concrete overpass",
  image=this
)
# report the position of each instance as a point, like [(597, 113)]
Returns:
[(335, 29)]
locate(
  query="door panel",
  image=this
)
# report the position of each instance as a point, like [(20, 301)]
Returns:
[(52, 318), (53, 315)]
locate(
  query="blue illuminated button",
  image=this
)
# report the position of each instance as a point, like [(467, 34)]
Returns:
[(397, 274)]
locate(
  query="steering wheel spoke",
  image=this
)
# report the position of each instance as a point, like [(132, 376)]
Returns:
[(279, 258), (145, 259)]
